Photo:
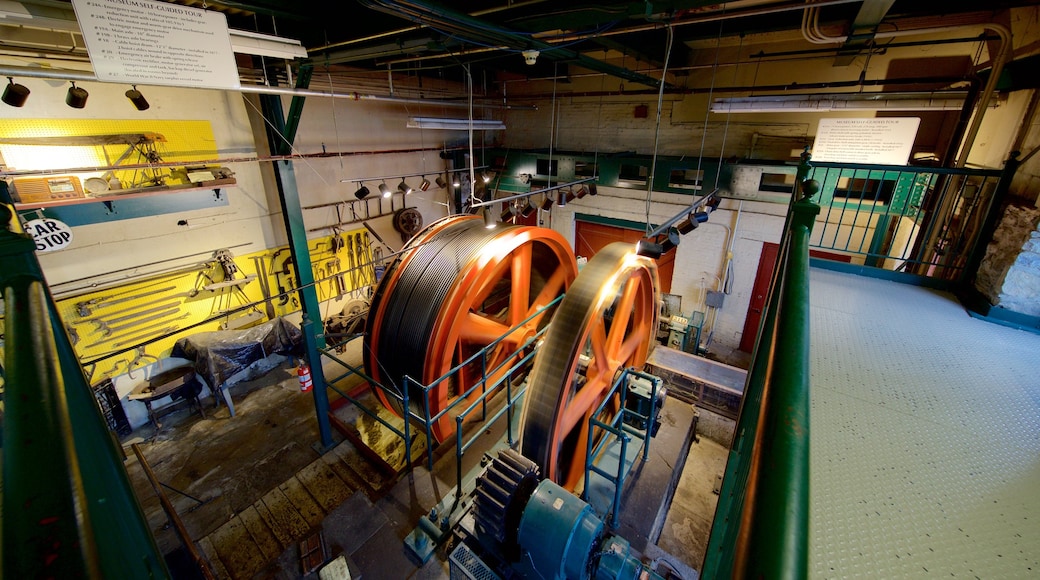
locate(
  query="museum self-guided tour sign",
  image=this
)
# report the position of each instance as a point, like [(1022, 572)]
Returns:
[(881, 141), (155, 43)]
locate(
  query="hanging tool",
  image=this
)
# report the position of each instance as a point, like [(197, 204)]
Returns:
[(108, 339), (108, 330), (84, 307), (103, 323), (265, 285), (139, 337)]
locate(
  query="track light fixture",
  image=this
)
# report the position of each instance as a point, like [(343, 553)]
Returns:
[(424, 184), (135, 96), (440, 182), (489, 219), (485, 176), (383, 189), (76, 97), (14, 93), (686, 225), (547, 202), (528, 208), (456, 180), (362, 192), (404, 188), (649, 249), (561, 198), (592, 188)]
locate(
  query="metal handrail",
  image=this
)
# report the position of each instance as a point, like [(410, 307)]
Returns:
[(761, 522), (622, 433), (69, 509)]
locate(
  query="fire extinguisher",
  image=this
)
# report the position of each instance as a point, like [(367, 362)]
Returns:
[(304, 372)]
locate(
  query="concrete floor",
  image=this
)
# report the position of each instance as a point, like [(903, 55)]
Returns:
[(264, 489)]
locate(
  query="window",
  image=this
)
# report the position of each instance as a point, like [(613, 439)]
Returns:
[(865, 190), (543, 167), (777, 182), (631, 174), (686, 178), (585, 169)]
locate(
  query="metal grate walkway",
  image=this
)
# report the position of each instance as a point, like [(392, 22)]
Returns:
[(925, 434)]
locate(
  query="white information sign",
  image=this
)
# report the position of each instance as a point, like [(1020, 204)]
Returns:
[(884, 141), (156, 43), (49, 235)]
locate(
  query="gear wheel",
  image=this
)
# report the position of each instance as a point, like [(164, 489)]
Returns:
[(501, 494)]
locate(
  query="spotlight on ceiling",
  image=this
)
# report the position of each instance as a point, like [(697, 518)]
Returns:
[(672, 241), (489, 219), (424, 184), (383, 189), (14, 93), (456, 180), (404, 188), (530, 56), (686, 225), (649, 249), (582, 191), (77, 97), (135, 96), (440, 182), (528, 208), (592, 188), (547, 202), (362, 192)]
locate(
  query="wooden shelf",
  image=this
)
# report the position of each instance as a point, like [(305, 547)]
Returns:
[(122, 194)]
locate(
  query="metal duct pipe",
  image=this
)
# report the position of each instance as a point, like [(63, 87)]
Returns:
[(69, 75), (467, 27)]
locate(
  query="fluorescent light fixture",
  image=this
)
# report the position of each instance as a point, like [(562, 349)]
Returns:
[(454, 124), (245, 42), (822, 103)]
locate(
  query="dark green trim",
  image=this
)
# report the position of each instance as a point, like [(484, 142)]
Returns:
[(979, 307), (616, 222), (901, 277)]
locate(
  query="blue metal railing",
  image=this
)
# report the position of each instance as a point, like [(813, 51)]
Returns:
[(618, 429)]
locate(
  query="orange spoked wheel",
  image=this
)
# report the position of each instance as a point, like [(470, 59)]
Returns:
[(458, 288), (605, 323)]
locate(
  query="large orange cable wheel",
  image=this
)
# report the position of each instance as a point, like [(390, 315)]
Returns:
[(606, 323), (456, 288)]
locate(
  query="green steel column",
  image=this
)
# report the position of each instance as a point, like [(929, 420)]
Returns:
[(282, 135), (58, 452)]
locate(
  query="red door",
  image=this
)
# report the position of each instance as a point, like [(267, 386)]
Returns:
[(590, 237), (766, 263)]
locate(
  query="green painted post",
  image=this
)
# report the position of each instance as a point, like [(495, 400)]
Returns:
[(292, 214), (735, 514), (58, 451)]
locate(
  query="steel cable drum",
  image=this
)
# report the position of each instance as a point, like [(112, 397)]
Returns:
[(456, 288), (606, 323)]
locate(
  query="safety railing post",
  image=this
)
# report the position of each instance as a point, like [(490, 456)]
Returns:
[(51, 427)]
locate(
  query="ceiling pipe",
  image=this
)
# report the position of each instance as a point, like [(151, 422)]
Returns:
[(79, 76), (763, 88), (726, 13), (474, 30), (400, 31)]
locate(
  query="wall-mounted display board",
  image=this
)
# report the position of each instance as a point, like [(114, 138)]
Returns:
[(157, 43), (879, 141), (93, 170)]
